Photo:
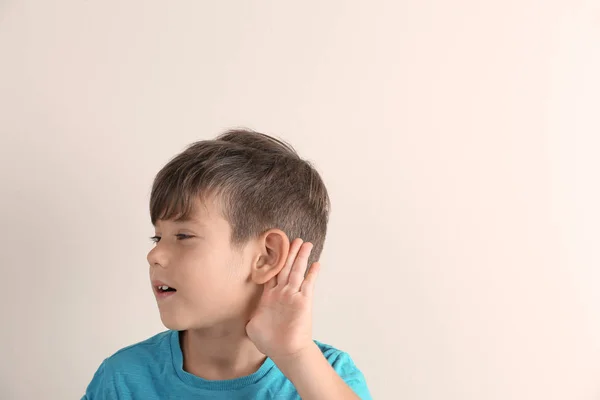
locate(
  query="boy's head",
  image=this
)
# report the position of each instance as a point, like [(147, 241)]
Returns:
[(225, 212)]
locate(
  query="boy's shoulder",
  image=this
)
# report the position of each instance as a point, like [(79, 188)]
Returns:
[(328, 350), (340, 360), (143, 352), (344, 365)]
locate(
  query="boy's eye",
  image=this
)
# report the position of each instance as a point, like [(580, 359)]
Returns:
[(180, 236)]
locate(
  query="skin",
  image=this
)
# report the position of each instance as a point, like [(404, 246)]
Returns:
[(239, 305)]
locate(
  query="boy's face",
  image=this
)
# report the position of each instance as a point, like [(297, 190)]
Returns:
[(210, 277)]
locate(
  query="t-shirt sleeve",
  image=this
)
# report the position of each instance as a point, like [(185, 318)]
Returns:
[(349, 372), (96, 388)]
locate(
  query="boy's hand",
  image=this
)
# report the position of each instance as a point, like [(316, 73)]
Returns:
[(281, 326)]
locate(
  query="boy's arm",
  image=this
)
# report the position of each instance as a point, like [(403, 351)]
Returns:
[(314, 378), (281, 328)]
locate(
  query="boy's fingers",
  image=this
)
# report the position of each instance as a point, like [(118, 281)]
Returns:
[(299, 267), (283, 275), (271, 283), (308, 285)]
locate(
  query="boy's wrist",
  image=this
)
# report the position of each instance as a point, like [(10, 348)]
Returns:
[(306, 356)]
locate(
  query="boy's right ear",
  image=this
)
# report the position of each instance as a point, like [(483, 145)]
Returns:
[(273, 249)]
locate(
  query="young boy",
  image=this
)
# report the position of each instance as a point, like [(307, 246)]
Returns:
[(238, 220)]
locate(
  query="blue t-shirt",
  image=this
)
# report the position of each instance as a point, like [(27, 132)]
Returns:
[(153, 370)]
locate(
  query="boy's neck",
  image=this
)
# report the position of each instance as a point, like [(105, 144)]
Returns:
[(218, 354)]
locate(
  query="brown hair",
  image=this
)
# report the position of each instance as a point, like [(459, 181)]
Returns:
[(261, 182)]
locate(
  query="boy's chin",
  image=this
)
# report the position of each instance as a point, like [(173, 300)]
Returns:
[(174, 327), (180, 324), (184, 324), (174, 324)]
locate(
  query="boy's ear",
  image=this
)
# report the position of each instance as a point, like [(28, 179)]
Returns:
[(274, 246)]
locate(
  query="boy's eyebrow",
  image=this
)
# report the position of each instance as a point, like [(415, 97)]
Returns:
[(188, 219), (192, 220)]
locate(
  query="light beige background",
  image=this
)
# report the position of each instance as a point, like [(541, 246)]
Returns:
[(459, 141)]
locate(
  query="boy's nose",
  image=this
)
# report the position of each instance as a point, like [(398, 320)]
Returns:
[(157, 258)]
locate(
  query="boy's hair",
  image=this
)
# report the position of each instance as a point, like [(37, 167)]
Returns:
[(261, 182)]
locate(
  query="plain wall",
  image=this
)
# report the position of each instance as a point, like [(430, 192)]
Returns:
[(459, 141)]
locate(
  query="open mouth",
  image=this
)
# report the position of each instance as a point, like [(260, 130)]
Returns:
[(165, 289)]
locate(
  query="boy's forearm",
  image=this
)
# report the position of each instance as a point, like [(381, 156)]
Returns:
[(314, 378)]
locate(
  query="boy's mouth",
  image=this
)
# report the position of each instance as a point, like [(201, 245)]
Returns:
[(162, 290), (165, 289)]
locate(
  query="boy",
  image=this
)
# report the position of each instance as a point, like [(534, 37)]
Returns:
[(232, 288)]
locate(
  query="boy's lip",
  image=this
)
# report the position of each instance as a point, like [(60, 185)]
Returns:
[(159, 294), (156, 283)]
